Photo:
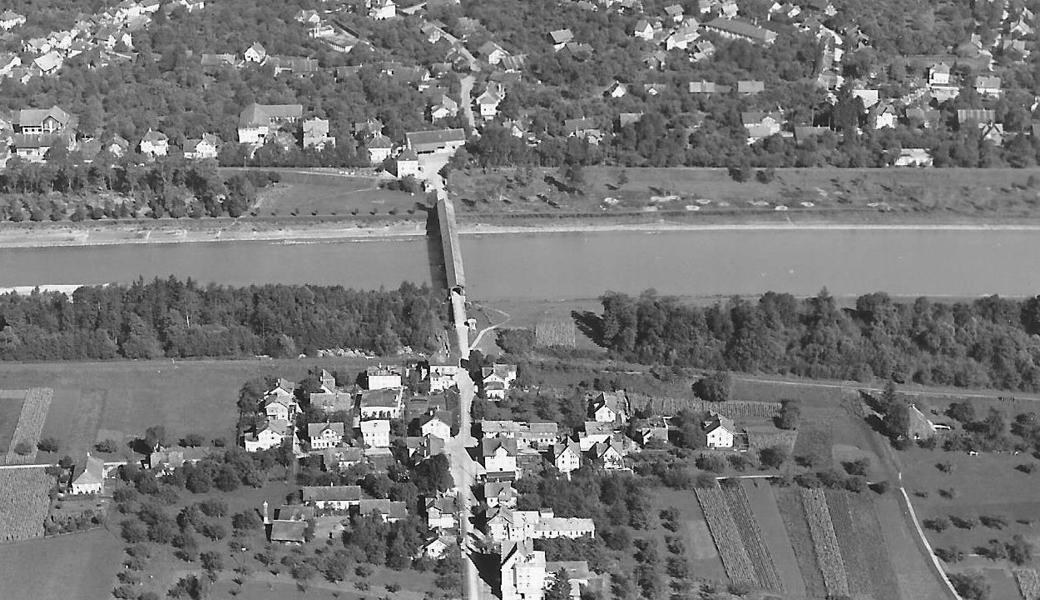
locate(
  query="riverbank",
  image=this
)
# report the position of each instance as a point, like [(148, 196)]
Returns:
[(298, 231)]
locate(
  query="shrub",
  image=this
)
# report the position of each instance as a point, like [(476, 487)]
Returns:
[(106, 446), (48, 444), (22, 449), (711, 462)]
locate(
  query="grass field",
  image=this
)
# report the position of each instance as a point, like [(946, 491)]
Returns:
[(700, 548), (996, 192), (127, 397), (340, 197), (74, 567), (10, 409), (763, 504)]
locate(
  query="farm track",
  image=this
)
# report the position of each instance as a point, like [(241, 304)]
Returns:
[(30, 425)]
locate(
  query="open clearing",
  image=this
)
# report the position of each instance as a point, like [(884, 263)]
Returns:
[(81, 566), (129, 396)]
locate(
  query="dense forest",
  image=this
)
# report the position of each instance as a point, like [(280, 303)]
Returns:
[(989, 342), (180, 319)]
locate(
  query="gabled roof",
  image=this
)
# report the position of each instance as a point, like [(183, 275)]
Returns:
[(384, 398), (489, 446), (154, 136), (317, 429), (572, 446), (380, 141), (335, 493), (34, 117), (597, 428), (93, 472), (256, 115), (288, 531), (436, 136), (561, 36)]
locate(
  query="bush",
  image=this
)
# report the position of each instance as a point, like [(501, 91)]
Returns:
[(106, 446), (773, 457), (711, 462), (22, 449), (880, 487), (715, 387), (48, 444), (857, 467), (938, 524)]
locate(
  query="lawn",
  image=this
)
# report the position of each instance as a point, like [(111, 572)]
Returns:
[(916, 578), (340, 197), (126, 397), (80, 566)]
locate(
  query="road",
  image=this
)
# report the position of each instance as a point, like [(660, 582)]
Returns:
[(466, 100), (476, 341)]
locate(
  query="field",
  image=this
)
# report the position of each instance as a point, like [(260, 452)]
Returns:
[(23, 503), (125, 398), (10, 410), (30, 424), (75, 567), (700, 548), (336, 197), (996, 192)]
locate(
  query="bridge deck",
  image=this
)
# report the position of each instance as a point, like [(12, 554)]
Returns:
[(450, 244)]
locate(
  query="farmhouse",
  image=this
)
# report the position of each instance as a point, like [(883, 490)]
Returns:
[(442, 377), (42, 120), (324, 435), (496, 380), (257, 121), (440, 512), (91, 478), (499, 455), (389, 511), (337, 497), (155, 143), (567, 457), (268, 436), (440, 140), (499, 493), (522, 571), (436, 423), (718, 432), (609, 407)]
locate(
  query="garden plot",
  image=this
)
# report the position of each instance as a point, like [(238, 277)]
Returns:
[(23, 503), (751, 535), (30, 424), (734, 556), (825, 542), (789, 502), (767, 514)]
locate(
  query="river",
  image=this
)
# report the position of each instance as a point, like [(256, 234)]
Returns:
[(573, 265)]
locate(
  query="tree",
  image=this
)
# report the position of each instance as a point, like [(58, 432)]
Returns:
[(773, 457), (560, 588), (22, 448), (790, 415), (962, 412), (133, 531), (155, 436), (246, 520), (192, 440), (711, 462), (970, 586), (212, 561), (1019, 551), (715, 387), (106, 446), (48, 444)]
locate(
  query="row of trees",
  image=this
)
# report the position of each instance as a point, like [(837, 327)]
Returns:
[(989, 342), (174, 318)]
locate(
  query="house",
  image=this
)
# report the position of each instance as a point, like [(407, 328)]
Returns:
[(499, 494), (498, 455), (644, 30), (576, 572), (674, 12), (440, 512), (492, 52), (560, 38), (868, 97), (297, 65), (280, 407), (333, 401), (922, 117), (609, 407), (760, 125), (939, 74), (201, 149), (992, 132), (407, 164), (257, 121), (388, 511), (33, 147), (442, 377), (702, 50), (608, 454), (440, 140), (173, 459), (488, 101), (379, 149), (155, 143), (382, 10), (522, 571), (213, 61), (626, 118), (914, 157), (704, 87), (295, 512), (118, 147), (436, 423), (316, 134), (48, 64), (8, 62), (718, 431), (90, 478), (550, 527), (376, 433), (651, 430), (436, 547), (255, 54), (980, 116), (333, 459), (616, 90), (737, 29), (267, 436), (496, 380), (988, 86), (750, 87), (567, 456), (443, 106), (885, 115), (325, 435), (288, 532), (682, 38), (538, 434), (10, 19), (583, 128), (331, 497), (594, 433)]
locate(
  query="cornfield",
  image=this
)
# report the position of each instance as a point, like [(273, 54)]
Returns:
[(1028, 583), (30, 424), (724, 530), (24, 503), (825, 542)]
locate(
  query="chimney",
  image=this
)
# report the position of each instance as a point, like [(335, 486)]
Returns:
[(267, 518)]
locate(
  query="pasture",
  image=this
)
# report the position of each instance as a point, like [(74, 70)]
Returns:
[(336, 197), (81, 566)]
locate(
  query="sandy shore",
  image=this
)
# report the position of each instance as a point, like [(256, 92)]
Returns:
[(114, 233)]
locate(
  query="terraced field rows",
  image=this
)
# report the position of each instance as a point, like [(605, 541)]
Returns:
[(727, 537), (24, 503), (751, 535), (825, 541), (30, 424), (1028, 583)]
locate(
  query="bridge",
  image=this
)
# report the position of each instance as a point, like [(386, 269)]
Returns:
[(449, 231)]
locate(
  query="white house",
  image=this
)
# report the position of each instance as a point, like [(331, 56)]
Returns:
[(257, 121), (325, 435), (496, 380), (718, 432), (488, 102), (379, 149), (988, 86), (381, 378), (567, 456), (10, 19), (201, 149), (256, 53), (499, 455), (914, 157), (610, 407), (267, 437), (334, 497), (376, 433), (522, 571), (381, 404), (91, 480), (383, 9), (280, 407), (644, 30), (436, 423), (939, 74), (155, 143), (442, 377), (440, 512), (407, 164)]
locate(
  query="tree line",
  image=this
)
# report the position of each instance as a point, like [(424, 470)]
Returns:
[(181, 319), (987, 343)]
